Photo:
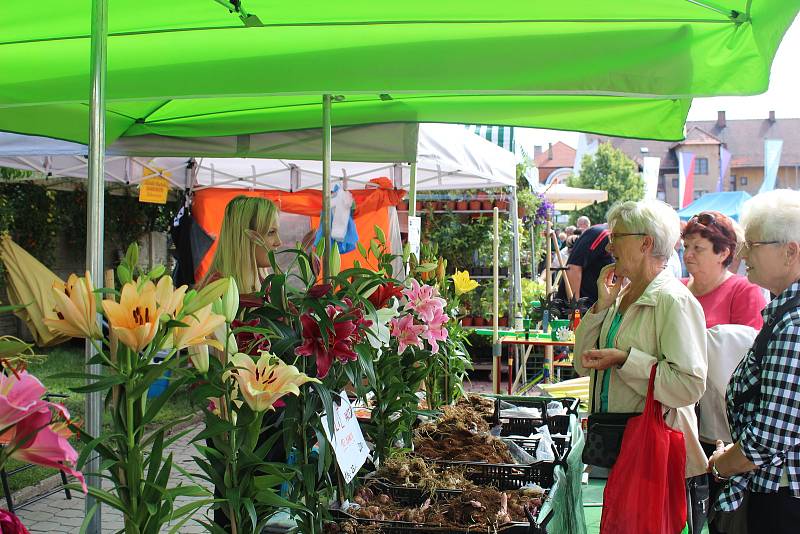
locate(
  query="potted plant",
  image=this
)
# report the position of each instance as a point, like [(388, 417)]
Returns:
[(475, 205), (501, 204), (462, 205), (450, 205), (420, 205), (487, 203)]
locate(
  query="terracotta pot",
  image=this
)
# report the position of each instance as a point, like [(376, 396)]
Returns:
[(420, 205), (466, 320), (478, 320), (502, 321), (474, 205), (450, 205), (462, 205), (502, 205), (521, 211), (487, 205), (482, 195), (434, 205), (403, 206)]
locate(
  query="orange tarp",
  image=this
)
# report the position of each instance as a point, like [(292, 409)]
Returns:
[(371, 210)]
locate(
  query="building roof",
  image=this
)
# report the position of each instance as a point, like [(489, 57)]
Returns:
[(563, 155), (744, 139)]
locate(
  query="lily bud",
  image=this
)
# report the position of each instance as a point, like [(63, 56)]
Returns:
[(230, 301), (198, 355)]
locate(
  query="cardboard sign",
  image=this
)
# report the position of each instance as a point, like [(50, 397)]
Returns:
[(348, 443), (154, 191), (414, 230)]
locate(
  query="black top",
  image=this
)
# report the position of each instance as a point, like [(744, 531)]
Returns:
[(589, 253)]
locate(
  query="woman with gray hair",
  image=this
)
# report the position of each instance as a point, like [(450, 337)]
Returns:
[(643, 317), (763, 395)]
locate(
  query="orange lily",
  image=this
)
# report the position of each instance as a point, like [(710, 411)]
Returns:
[(135, 317), (75, 307), (199, 330), (169, 300), (262, 383)]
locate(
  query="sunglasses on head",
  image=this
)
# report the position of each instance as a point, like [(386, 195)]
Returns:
[(706, 219)]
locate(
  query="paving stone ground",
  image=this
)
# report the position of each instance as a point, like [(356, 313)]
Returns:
[(56, 514)]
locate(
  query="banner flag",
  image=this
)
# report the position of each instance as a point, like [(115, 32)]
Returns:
[(724, 161), (650, 168), (686, 179), (772, 160)]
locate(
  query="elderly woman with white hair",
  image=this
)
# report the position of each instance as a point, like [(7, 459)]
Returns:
[(644, 316), (763, 395)]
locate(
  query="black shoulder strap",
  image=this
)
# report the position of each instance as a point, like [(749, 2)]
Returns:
[(760, 347)]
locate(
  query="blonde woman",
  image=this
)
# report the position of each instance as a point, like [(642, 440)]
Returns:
[(249, 231)]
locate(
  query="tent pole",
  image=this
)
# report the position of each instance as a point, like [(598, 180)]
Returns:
[(412, 191), (326, 184), (514, 313), (94, 238)]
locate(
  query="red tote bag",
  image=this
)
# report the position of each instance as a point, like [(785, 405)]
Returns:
[(646, 490)]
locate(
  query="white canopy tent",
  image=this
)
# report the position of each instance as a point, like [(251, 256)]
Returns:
[(447, 156), (566, 198)]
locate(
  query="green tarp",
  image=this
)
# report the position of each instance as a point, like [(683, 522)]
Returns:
[(189, 68)]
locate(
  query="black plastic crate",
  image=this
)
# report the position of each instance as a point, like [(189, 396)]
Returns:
[(529, 445), (558, 424), (404, 527), (409, 495), (506, 476)]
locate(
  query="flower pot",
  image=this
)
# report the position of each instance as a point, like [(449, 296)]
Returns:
[(450, 205), (478, 320), (466, 320), (462, 205), (487, 205), (474, 205), (420, 205), (403, 206), (503, 271), (482, 195), (502, 321), (521, 211), (502, 205)]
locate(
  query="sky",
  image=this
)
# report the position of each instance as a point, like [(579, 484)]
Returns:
[(783, 97)]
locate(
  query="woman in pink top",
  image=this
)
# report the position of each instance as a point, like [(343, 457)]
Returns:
[(710, 244)]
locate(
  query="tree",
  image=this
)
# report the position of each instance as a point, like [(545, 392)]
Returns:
[(612, 171)]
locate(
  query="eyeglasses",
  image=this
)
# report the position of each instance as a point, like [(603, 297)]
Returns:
[(749, 245), (612, 237)]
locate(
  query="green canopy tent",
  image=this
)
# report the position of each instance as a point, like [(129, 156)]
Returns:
[(190, 69)]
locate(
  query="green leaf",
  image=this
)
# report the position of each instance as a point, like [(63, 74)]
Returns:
[(379, 233), (102, 384), (361, 250), (88, 518)]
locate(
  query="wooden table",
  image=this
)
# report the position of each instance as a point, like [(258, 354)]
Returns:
[(529, 344)]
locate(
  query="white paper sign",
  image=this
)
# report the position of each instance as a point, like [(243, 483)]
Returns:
[(414, 229), (348, 443)]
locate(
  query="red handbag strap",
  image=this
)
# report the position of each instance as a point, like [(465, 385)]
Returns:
[(651, 404)]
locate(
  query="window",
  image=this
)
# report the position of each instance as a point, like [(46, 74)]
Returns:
[(701, 166), (675, 183), (743, 180), (698, 194)]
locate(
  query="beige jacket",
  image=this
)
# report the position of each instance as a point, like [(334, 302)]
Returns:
[(666, 324)]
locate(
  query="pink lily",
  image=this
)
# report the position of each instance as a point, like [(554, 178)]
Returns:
[(20, 393), (424, 300), (436, 331), (36, 441), (407, 333)]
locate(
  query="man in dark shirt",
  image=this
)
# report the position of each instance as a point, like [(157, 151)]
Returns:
[(587, 259)]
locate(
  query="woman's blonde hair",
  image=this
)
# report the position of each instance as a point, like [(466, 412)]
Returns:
[(236, 250)]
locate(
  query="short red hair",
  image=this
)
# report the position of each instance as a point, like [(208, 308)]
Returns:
[(719, 230)]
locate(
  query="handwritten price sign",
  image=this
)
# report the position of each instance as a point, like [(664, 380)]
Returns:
[(346, 438)]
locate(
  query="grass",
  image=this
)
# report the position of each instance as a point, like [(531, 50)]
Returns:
[(69, 357)]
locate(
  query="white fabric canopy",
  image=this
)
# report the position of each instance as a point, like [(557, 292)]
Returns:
[(448, 156), (566, 198)]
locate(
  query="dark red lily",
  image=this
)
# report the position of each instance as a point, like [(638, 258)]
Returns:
[(380, 297)]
